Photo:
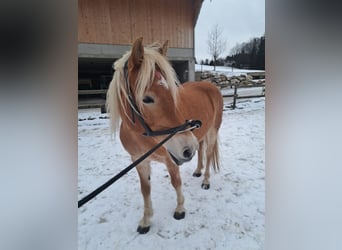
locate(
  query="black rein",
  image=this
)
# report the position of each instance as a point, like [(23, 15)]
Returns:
[(188, 125)]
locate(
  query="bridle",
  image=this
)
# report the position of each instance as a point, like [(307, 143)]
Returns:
[(189, 125)]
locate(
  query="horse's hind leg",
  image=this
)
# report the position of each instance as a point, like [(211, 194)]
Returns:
[(144, 171), (176, 182), (198, 170), (204, 155), (211, 158), (206, 183)]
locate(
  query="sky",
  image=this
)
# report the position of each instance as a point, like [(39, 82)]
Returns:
[(239, 20)]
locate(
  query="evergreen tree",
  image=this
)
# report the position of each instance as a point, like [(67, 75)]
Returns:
[(249, 54)]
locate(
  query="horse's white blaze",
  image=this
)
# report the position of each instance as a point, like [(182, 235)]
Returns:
[(163, 82)]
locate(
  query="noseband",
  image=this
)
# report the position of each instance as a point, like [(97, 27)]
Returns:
[(189, 125)]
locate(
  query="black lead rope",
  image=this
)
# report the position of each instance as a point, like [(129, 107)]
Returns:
[(192, 123)]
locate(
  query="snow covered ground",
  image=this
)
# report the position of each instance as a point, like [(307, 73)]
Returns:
[(229, 71), (230, 215)]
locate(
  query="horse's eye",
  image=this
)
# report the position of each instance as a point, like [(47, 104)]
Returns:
[(148, 99)]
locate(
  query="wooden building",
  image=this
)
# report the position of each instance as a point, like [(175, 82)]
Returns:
[(107, 29)]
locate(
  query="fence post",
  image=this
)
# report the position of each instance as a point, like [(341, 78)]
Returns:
[(235, 95), (103, 109)]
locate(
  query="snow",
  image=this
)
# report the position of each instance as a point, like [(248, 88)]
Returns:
[(228, 71), (230, 215)]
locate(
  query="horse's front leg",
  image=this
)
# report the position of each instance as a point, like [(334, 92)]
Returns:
[(177, 184), (144, 171)]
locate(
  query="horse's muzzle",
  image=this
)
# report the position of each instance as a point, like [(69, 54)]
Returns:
[(188, 154)]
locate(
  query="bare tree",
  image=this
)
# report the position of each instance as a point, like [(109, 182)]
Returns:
[(216, 43)]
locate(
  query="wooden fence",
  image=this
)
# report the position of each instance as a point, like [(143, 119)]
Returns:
[(92, 95), (244, 80), (236, 96)]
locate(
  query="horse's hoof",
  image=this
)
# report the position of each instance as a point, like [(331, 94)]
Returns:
[(179, 216), (205, 186), (143, 230), (197, 174)]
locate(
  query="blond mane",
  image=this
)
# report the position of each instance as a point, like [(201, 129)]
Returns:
[(117, 91)]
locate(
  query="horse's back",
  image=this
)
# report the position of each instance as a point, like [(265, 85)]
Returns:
[(202, 86), (202, 92)]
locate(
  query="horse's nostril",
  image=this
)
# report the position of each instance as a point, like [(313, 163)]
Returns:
[(187, 153)]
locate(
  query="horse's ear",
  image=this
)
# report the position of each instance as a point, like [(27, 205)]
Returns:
[(137, 54), (163, 50)]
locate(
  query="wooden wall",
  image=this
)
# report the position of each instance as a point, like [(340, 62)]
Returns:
[(120, 22)]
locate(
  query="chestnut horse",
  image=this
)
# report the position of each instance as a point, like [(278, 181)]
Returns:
[(146, 96)]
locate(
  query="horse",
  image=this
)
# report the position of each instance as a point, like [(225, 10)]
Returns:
[(145, 100)]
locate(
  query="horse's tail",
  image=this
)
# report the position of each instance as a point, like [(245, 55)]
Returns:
[(216, 156), (218, 120)]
